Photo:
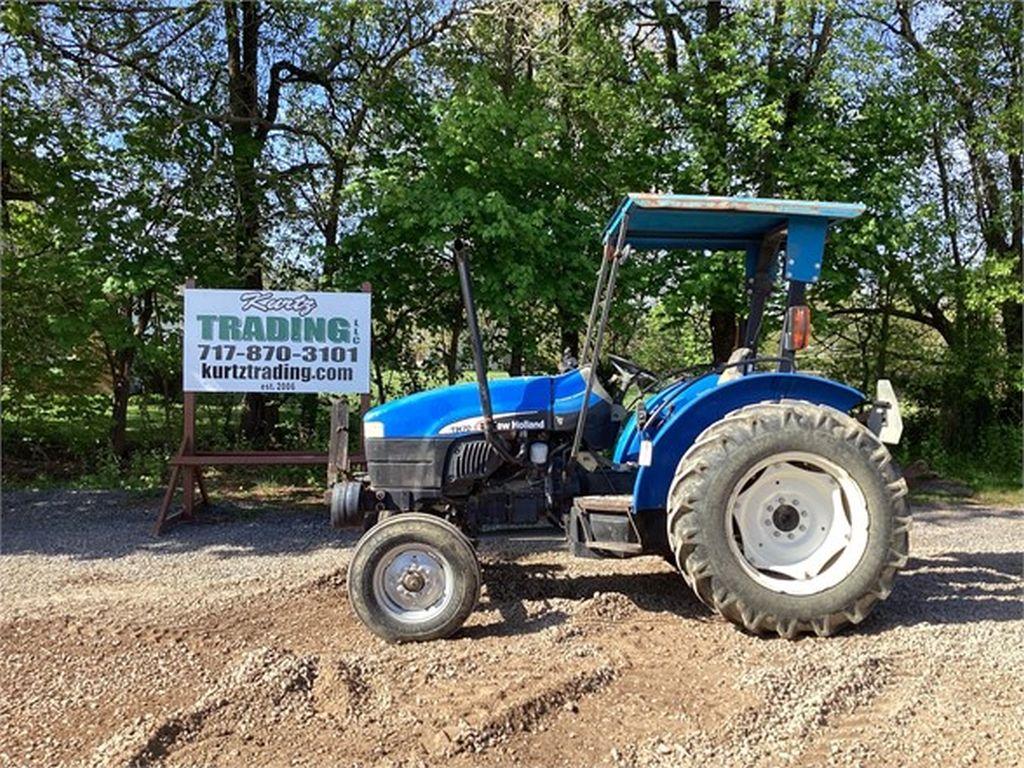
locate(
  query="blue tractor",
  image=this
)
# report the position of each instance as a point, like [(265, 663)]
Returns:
[(783, 512)]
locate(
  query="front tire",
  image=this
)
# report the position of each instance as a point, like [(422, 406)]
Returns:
[(414, 577), (789, 518)]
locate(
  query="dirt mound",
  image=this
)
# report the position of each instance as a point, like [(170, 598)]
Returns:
[(605, 606), (345, 689), (796, 701), (524, 715), (267, 688)]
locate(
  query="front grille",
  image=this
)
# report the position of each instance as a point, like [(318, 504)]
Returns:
[(470, 459)]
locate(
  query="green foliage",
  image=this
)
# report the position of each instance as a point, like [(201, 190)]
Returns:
[(132, 160)]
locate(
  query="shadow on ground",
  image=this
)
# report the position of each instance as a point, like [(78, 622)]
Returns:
[(91, 525), (510, 585), (945, 515), (954, 588)]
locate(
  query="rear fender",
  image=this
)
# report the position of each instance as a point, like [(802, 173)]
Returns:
[(676, 434)]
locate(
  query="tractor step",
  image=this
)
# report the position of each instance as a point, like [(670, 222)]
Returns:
[(602, 524), (621, 503)]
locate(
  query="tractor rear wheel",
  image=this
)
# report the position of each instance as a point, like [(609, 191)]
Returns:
[(412, 577), (790, 518)]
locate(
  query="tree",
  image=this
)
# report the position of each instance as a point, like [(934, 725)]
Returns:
[(513, 156), (759, 102), (960, 270), (99, 232), (186, 67)]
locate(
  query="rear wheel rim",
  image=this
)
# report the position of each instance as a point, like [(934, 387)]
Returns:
[(798, 523), (413, 583)]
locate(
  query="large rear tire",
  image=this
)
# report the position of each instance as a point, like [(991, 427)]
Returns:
[(414, 577), (789, 518)]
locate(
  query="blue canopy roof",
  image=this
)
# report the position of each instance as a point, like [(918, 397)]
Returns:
[(699, 222)]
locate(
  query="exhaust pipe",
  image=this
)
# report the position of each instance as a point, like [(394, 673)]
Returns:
[(461, 251)]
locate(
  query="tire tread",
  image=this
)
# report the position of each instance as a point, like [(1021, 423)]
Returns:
[(711, 449)]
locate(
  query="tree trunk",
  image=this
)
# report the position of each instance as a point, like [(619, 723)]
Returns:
[(309, 406), (515, 363), (119, 410), (246, 143), (1013, 325), (378, 377), (138, 313), (882, 360), (717, 151), (259, 416), (332, 257), (569, 345), (724, 328), (1012, 310)]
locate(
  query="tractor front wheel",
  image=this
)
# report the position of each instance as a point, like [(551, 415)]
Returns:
[(413, 577), (789, 518)]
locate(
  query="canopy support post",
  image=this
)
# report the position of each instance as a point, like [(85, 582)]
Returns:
[(761, 282)]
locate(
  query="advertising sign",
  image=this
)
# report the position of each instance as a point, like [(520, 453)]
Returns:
[(276, 341)]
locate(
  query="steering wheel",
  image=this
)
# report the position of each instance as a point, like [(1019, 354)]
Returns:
[(630, 372)]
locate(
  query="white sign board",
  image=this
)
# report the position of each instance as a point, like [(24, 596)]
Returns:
[(276, 341)]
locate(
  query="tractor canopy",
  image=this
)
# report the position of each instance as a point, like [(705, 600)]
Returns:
[(700, 222)]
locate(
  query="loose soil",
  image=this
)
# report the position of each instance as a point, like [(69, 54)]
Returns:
[(231, 643)]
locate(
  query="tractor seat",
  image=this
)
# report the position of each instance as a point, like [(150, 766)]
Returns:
[(735, 371)]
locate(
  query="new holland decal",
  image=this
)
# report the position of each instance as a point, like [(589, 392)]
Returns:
[(503, 422)]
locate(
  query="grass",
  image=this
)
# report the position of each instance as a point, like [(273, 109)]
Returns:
[(993, 492)]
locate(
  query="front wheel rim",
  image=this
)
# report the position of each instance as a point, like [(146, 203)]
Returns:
[(797, 523), (413, 583)]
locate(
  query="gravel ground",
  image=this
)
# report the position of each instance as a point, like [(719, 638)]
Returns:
[(232, 643)]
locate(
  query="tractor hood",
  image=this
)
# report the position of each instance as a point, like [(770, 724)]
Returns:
[(523, 402)]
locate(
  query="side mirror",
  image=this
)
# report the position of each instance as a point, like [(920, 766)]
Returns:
[(796, 333)]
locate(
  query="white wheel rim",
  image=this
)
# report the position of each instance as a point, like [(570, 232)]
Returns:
[(413, 583), (797, 523)]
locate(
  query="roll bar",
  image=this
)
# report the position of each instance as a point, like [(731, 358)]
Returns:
[(606, 283)]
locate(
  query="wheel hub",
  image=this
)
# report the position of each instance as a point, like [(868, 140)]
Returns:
[(785, 517), (799, 522), (413, 582)]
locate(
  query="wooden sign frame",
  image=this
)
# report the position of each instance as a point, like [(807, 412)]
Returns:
[(187, 464)]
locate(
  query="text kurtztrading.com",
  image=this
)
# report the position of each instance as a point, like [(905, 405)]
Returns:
[(280, 372)]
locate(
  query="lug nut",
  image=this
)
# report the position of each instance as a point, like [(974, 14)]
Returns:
[(789, 535), (803, 527), (767, 521)]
